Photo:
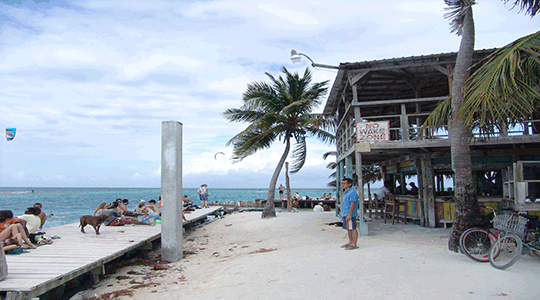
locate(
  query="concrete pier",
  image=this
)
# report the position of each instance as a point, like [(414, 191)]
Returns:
[(171, 191)]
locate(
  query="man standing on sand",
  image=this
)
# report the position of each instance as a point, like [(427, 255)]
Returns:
[(349, 213), (203, 195), (281, 189)]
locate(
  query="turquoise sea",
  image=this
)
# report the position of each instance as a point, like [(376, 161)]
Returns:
[(69, 204)]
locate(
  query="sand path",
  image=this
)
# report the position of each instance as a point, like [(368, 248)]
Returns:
[(394, 262)]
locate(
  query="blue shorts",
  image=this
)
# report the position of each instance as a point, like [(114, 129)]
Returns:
[(153, 214), (350, 226), (204, 197)]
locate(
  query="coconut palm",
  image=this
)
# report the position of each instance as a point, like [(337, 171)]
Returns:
[(505, 89), (332, 166), (462, 23), (280, 110)]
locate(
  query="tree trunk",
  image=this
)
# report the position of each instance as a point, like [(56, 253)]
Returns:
[(269, 210), (466, 203), (288, 187)]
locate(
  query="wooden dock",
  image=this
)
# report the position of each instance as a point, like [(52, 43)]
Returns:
[(74, 254)]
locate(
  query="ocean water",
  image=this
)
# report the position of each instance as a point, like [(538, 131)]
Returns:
[(69, 204)]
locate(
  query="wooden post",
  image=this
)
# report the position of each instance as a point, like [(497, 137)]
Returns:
[(404, 123), (171, 191), (419, 176), (428, 195), (363, 228)]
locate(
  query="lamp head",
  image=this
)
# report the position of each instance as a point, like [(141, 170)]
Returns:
[(295, 57)]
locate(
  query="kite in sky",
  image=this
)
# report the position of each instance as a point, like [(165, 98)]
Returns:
[(215, 155), (10, 133)]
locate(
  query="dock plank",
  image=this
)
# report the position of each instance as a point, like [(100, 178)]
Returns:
[(74, 254)]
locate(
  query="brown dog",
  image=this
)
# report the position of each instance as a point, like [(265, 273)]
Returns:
[(95, 221)]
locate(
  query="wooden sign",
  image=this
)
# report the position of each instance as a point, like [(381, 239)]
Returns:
[(372, 132), (363, 147)]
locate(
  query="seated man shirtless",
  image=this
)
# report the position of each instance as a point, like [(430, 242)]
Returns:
[(151, 211)]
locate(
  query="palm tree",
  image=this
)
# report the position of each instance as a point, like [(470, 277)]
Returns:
[(332, 166), (280, 110), (505, 89), (466, 203)]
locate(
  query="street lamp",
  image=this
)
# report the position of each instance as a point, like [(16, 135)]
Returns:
[(296, 58)]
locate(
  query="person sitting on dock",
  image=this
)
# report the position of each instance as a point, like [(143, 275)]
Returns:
[(329, 197), (42, 215), (99, 209), (296, 196), (151, 212), (124, 210), (323, 197), (10, 227), (187, 201), (32, 220), (140, 208)]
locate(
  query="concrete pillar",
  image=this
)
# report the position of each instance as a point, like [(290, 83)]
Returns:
[(171, 191)]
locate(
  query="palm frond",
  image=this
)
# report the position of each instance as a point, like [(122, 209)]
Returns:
[(505, 88), (456, 11), (531, 7), (438, 118), (299, 154), (329, 153)]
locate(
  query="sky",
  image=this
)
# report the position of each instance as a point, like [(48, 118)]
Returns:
[(87, 84)]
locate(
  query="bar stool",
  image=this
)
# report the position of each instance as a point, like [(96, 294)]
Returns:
[(375, 204), (391, 206)]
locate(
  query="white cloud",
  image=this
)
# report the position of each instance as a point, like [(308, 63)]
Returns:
[(88, 83)]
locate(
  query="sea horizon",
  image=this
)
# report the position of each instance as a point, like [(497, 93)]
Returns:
[(69, 204)]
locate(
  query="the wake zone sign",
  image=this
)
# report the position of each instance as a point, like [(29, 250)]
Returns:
[(372, 132)]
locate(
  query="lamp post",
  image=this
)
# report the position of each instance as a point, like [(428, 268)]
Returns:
[(296, 57)]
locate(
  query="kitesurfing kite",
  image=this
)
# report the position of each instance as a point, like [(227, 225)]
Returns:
[(215, 155), (10, 133)]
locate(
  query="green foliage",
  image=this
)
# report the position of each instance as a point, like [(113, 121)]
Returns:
[(281, 109), (505, 89)]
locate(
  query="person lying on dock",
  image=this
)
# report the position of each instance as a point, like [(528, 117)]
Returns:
[(11, 227), (323, 197)]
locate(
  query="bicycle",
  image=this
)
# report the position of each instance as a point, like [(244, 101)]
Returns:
[(476, 242), (509, 245)]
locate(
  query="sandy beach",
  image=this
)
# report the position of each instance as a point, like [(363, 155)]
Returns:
[(298, 256)]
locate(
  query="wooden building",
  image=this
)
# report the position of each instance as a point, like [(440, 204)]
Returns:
[(403, 92)]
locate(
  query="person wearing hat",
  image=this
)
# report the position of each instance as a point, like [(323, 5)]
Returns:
[(318, 208), (140, 208)]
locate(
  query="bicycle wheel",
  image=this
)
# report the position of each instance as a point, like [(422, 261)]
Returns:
[(508, 248), (476, 242)]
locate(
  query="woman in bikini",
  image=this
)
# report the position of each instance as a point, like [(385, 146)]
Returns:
[(12, 232)]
